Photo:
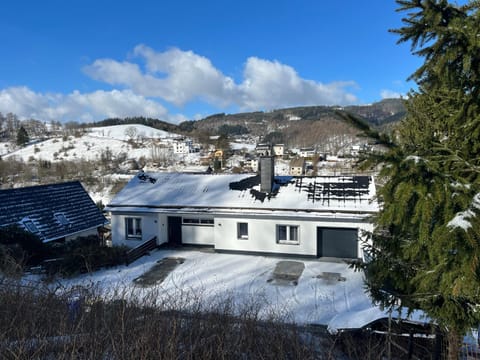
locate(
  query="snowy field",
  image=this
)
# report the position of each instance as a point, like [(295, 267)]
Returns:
[(245, 278), (91, 145), (123, 132)]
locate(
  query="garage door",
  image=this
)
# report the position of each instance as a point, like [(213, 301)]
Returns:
[(339, 243)]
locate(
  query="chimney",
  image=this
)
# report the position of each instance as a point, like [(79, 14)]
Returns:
[(266, 173)]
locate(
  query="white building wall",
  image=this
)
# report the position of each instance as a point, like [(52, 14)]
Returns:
[(198, 235), (150, 228), (262, 235), (278, 150), (180, 147), (254, 164), (162, 235)]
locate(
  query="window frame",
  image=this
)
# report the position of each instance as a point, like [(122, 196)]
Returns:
[(137, 231), (242, 230), (30, 226), (288, 231), (192, 221), (62, 219)]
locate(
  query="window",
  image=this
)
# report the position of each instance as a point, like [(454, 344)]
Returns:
[(133, 228), (30, 226), (62, 219), (197, 221), (242, 230), (287, 234), (191, 221)]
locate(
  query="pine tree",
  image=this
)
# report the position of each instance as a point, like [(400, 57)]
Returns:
[(22, 136), (426, 247)]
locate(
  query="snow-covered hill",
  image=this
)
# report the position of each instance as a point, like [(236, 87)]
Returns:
[(123, 132), (94, 143)]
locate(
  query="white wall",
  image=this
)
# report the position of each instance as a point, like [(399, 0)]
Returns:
[(198, 235), (262, 234), (223, 235), (150, 228)]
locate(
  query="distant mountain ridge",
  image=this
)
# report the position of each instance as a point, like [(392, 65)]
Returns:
[(377, 115), (297, 126), (304, 125)]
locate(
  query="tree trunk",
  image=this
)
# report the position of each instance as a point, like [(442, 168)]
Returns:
[(454, 342)]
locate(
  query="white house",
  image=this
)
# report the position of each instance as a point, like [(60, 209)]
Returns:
[(183, 146), (263, 149), (307, 152), (252, 164), (278, 150), (301, 216), (297, 167)]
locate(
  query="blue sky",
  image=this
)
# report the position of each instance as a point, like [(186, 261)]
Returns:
[(84, 60)]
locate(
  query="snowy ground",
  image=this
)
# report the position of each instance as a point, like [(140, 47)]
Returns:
[(93, 143), (338, 304)]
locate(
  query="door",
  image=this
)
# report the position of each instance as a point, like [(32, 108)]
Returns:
[(175, 230), (338, 243)]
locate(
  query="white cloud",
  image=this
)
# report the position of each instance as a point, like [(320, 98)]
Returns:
[(179, 77), (390, 94), (79, 107), (174, 75), (270, 84)]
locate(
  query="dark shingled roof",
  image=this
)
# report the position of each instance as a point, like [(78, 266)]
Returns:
[(44, 206)]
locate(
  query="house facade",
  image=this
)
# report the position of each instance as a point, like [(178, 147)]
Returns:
[(278, 150), (317, 216), (263, 150), (307, 152), (297, 167), (62, 211)]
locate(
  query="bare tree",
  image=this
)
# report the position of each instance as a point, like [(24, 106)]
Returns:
[(131, 132)]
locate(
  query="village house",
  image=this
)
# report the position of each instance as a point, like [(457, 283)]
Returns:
[(54, 212), (301, 216), (307, 152), (263, 150), (278, 150), (297, 167), (252, 164), (182, 146)]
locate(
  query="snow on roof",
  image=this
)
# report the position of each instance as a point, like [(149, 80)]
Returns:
[(355, 194)]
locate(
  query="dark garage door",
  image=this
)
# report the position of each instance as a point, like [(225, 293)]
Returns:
[(339, 243)]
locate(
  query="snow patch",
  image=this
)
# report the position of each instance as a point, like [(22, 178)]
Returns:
[(415, 158), (461, 220)]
